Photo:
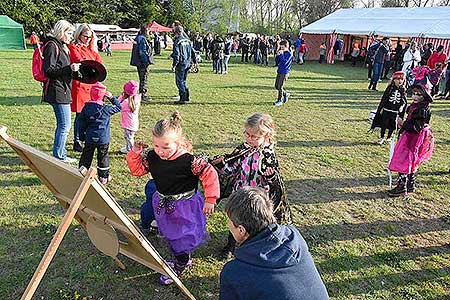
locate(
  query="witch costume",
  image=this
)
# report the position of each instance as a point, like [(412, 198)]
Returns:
[(415, 145), (246, 166), (177, 203)]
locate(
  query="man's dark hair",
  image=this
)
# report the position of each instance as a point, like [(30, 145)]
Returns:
[(251, 208), (178, 30), (440, 48), (284, 43), (143, 28)]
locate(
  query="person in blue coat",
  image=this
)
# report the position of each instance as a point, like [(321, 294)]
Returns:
[(273, 261), (283, 60)]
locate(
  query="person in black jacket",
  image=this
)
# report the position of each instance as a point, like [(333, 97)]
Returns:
[(392, 106), (59, 71)]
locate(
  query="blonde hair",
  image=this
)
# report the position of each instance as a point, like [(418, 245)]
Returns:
[(84, 28), (166, 126), (263, 123), (60, 28)]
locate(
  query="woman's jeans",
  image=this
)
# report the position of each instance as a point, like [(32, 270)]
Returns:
[(62, 114), (225, 63)]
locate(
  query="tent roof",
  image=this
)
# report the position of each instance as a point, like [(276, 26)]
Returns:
[(109, 28), (6, 21), (395, 22), (159, 28)]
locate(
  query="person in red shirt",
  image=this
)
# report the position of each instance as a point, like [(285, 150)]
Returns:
[(84, 47), (34, 40), (437, 57)]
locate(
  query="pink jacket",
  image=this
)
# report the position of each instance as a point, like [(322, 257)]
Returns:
[(411, 150), (130, 120)]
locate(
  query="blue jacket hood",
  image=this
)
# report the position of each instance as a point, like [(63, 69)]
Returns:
[(277, 246)]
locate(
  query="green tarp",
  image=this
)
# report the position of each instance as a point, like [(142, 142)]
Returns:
[(11, 34)]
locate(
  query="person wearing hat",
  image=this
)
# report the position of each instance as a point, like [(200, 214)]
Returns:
[(183, 55), (416, 141), (84, 47), (131, 101), (392, 107), (95, 129)]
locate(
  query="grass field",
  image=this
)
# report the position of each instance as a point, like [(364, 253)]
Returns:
[(365, 245)]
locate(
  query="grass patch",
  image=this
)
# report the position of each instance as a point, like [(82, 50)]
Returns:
[(366, 245)]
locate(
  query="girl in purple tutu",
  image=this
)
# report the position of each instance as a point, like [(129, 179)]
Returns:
[(178, 205)]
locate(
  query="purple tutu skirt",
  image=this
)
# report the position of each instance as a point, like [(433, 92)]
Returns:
[(185, 227)]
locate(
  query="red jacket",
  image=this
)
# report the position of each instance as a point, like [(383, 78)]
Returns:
[(81, 91), (436, 58)]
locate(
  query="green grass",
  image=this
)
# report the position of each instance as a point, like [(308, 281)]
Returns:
[(365, 245)]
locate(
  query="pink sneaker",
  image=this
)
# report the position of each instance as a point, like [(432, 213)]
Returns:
[(104, 180), (166, 280)]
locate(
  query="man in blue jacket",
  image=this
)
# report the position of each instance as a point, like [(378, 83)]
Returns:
[(141, 58), (284, 62), (183, 55), (273, 261), (379, 51)]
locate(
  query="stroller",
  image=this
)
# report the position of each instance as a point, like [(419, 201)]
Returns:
[(195, 66)]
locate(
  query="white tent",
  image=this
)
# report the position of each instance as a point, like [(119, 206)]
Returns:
[(421, 22)]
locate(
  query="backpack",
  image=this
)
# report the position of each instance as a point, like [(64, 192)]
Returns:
[(37, 63)]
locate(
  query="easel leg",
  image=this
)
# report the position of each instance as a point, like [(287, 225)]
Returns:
[(59, 235)]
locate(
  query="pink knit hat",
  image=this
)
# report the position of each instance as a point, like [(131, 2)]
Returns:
[(131, 87), (98, 91)]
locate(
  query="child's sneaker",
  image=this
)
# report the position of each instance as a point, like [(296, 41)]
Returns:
[(104, 180), (278, 103), (166, 280), (123, 150), (380, 141), (286, 97)]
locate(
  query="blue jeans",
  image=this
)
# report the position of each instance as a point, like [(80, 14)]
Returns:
[(376, 74), (147, 213), (225, 63), (62, 114), (180, 80)]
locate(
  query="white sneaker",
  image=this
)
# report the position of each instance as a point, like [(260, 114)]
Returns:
[(123, 150), (380, 141), (69, 160), (278, 103)]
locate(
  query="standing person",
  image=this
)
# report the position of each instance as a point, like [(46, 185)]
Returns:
[(59, 71), (392, 107), (387, 64), (273, 261), (322, 52), (245, 49), (370, 56), (157, 43), (416, 141), (398, 60), (264, 46), (284, 62), (108, 45), (254, 163), (95, 127), (84, 47), (235, 47), (380, 53), (437, 57), (355, 53), (302, 52), (227, 53), (142, 57), (179, 207), (257, 50), (298, 43), (411, 58), (183, 55), (218, 54), (426, 53), (34, 40), (131, 102)]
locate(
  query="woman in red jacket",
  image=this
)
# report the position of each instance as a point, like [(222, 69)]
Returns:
[(84, 47)]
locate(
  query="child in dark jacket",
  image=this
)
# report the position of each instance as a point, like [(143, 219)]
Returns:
[(95, 130), (392, 106), (283, 60)]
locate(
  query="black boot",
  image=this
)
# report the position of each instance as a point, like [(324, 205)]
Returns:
[(187, 96), (400, 189), (182, 98), (228, 251), (410, 184)]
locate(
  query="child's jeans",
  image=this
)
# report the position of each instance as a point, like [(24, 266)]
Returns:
[(129, 138), (147, 213), (279, 82), (102, 158)]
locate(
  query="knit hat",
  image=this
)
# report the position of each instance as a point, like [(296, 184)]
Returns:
[(98, 91), (399, 75), (131, 87)]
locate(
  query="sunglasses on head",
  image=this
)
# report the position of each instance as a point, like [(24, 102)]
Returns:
[(87, 36)]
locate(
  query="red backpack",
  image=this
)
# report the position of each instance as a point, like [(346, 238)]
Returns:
[(37, 63)]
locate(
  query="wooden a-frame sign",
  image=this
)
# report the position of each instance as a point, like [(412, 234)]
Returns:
[(86, 200)]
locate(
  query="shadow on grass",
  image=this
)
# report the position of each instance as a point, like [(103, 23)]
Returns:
[(21, 101)]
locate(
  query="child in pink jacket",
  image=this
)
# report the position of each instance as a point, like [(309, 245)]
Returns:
[(131, 101)]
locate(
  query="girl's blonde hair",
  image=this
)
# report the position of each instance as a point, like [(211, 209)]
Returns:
[(60, 28), (84, 28), (131, 101), (263, 123), (166, 126)]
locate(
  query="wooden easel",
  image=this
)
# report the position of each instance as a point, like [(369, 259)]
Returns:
[(98, 205)]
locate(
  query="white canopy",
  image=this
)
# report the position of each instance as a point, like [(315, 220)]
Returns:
[(428, 22), (110, 28)]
